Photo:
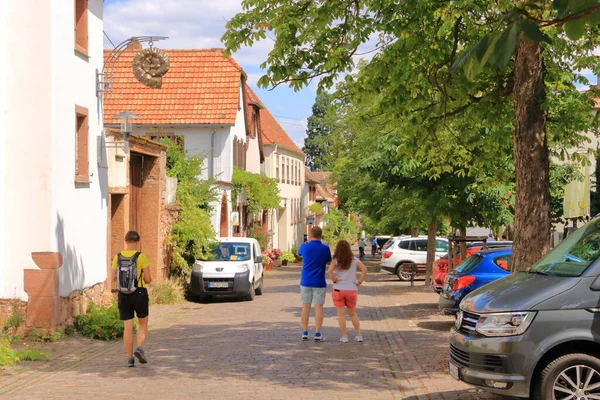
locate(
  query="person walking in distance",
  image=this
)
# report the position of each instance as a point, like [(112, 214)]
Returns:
[(132, 277), (315, 257), (342, 272)]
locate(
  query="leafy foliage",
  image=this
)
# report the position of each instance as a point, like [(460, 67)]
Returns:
[(100, 322), (166, 292), (7, 354), (193, 232), (440, 83), (260, 234), (338, 227), (318, 136), (259, 191)]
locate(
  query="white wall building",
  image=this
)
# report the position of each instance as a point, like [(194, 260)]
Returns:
[(284, 161), (52, 190), (202, 104)]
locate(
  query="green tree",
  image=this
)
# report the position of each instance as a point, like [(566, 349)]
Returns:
[(191, 236), (504, 69), (317, 144)]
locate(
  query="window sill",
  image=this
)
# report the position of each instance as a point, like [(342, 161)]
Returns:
[(82, 179), (81, 50)]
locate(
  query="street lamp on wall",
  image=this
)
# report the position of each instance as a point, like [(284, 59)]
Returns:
[(126, 127)]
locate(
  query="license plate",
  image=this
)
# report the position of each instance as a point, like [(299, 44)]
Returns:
[(453, 370), (218, 284)]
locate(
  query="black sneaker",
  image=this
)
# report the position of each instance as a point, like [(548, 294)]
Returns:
[(131, 362), (141, 356)]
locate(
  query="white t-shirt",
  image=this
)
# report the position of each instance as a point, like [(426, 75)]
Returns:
[(346, 278)]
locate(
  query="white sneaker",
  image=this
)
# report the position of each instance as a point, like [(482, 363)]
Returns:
[(344, 339), (358, 338), (319, 337)]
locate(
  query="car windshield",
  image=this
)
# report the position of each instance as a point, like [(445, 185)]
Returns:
[(574, 255), (469, 264), (229, 251)]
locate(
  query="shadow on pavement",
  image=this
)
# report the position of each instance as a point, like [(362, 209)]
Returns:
[(253, 351), (469, 394)]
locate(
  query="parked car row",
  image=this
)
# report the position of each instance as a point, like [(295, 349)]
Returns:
[(401, 253), (440, 266), (532, 334)]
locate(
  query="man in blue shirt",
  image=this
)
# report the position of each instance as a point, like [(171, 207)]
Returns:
[(315, 257)]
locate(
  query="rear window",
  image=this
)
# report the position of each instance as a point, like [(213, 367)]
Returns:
[(388, 244), (469, 264)]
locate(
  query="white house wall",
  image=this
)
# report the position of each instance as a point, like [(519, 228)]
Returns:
[(293, 234), (3, 134), (44, 80), (80, 215)]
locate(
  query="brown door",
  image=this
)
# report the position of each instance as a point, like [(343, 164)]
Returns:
[(136, 165)]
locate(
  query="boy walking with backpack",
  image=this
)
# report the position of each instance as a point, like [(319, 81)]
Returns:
[(132, 276)]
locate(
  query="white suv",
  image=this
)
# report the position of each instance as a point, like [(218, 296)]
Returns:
[(399, 254)]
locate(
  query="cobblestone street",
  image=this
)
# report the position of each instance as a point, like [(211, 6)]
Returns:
[(229, 349)]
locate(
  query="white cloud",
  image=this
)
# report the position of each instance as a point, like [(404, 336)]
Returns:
[(187, 23)]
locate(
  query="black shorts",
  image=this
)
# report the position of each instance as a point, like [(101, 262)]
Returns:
[(136, 302)]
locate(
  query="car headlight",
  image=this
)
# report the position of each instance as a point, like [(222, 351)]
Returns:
[(505, 324), (198, 267), (242, 268)]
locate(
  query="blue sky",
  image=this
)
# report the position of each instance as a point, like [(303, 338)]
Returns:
[(200, 24)]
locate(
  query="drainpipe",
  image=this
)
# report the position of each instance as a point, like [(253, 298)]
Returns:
[(212, 153)]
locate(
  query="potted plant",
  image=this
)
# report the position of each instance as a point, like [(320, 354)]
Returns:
[(276, 256), (267, 260), (295, 253), (287, 257)]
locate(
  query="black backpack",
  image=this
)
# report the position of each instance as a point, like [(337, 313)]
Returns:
[(127, 282)]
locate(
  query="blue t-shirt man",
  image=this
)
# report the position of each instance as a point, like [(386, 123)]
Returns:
[(315, 256)]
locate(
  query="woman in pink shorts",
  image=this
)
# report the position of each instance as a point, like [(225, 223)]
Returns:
[(342, 272)]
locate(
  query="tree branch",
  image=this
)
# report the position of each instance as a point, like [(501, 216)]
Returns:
[(560, 21)]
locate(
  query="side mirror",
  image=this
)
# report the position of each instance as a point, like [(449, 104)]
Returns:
[(258, 259), (595, 286)]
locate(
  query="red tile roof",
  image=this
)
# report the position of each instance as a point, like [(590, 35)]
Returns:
[(201, 87)]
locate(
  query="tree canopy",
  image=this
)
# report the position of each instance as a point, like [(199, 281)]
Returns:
[(454, 84)]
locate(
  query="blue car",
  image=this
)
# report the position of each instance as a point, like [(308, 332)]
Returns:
[(479, 269)]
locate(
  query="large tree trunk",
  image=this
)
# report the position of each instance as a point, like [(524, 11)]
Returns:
[(431, 245), (532, 209)]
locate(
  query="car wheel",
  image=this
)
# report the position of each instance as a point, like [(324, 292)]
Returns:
[(259, 289), (577, 375), (250, 296), (402, 274)]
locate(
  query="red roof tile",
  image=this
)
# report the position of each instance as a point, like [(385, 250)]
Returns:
[(201, 87)]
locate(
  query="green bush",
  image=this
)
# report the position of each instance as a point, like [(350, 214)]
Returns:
[(7, 355), (44, 336), (288, 256), (166, 292), (100, 322), (30, 355), (14, 321)]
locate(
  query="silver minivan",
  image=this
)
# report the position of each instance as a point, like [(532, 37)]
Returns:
[(536, 334)]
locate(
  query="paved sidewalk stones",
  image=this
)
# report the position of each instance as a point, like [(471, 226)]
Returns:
[(228, 349)]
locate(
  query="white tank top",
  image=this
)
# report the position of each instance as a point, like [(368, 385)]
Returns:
[(346, 278)]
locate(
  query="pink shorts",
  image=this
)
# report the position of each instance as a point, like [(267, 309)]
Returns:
[(344, 298)]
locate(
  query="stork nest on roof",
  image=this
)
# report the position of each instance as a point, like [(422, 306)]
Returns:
[(149, 66)]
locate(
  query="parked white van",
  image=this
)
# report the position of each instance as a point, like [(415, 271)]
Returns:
[(401, 253), (235, 270)]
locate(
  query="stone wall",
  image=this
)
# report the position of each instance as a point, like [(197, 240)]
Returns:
[(78, 301), (8, 307)]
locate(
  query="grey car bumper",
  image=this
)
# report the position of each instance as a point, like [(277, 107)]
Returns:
[(239, 285), (492, 364)]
